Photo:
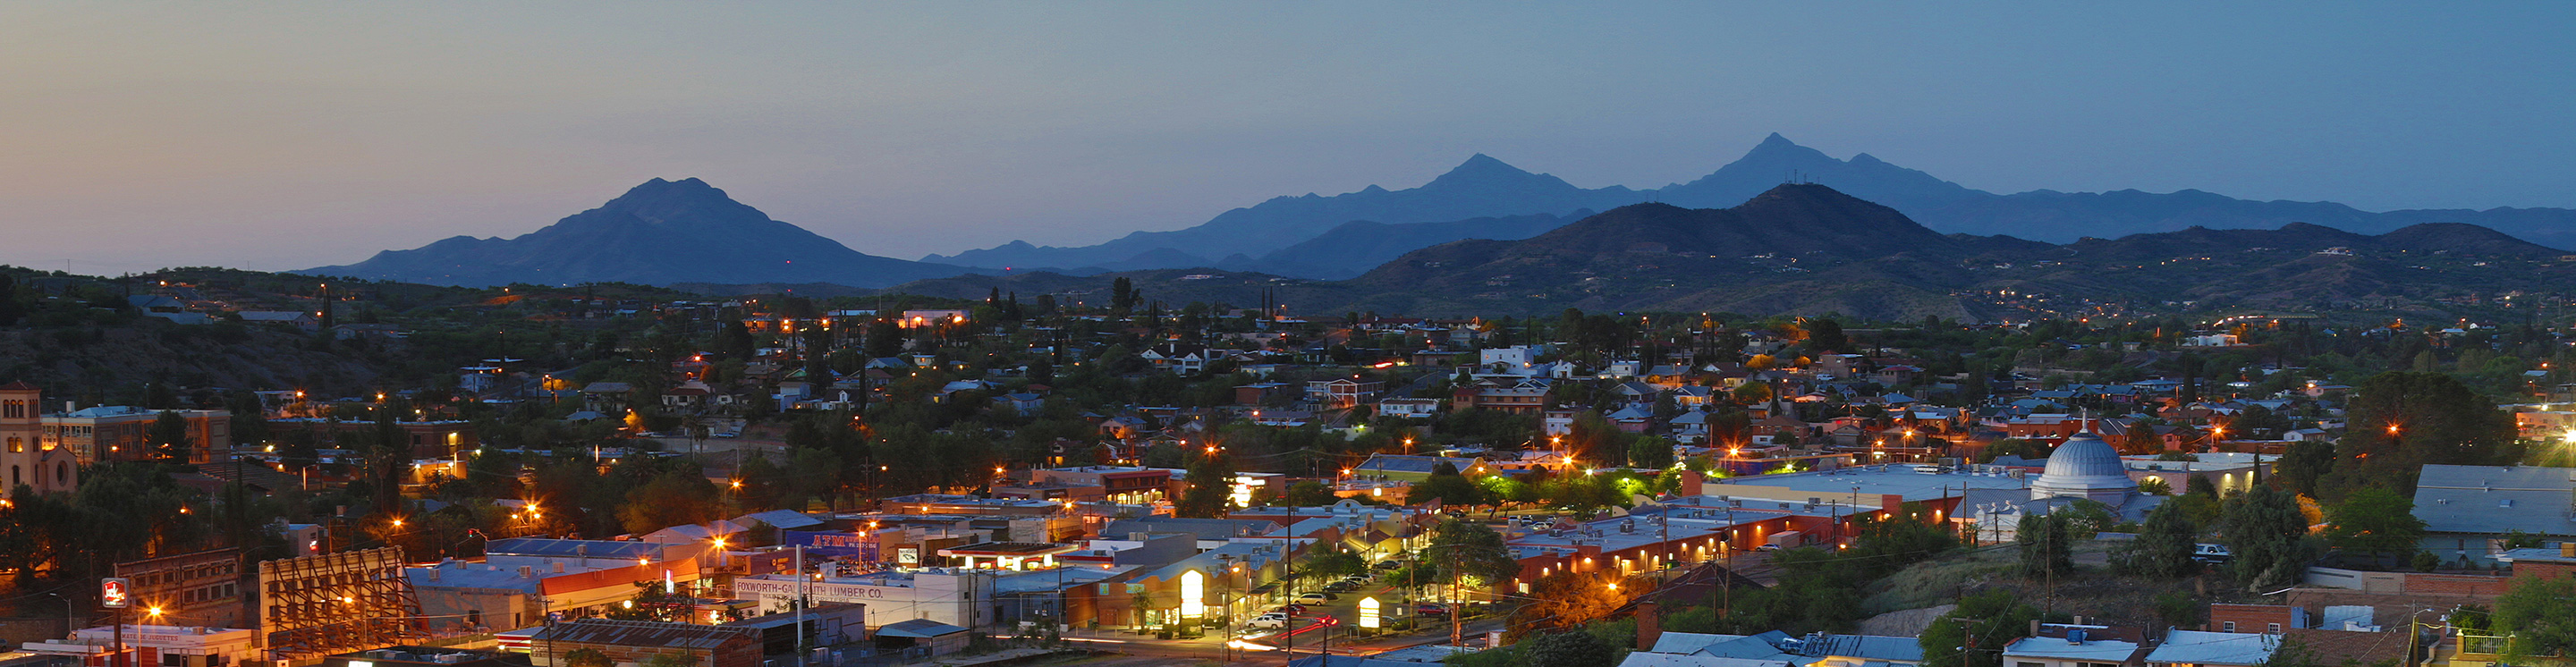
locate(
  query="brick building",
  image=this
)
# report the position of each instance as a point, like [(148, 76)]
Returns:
[(199, 588)]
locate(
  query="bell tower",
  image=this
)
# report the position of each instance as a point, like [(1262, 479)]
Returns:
[(26, 458)]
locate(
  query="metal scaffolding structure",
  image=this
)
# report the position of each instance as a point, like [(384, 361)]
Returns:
[(326, 604)]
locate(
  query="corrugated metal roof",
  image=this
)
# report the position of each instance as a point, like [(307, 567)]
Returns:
[(646, 633)]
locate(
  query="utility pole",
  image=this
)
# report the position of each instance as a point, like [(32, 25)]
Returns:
[(803, 598)]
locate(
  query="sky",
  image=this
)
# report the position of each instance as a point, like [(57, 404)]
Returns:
[(277, 136)]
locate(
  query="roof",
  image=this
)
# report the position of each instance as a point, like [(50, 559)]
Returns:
[(1687, 642), (2084, 462), (648, 633), (788, 519), (1659, 659), (2219, 648), (919, 628), (1410, 463), (539, 546), (2496, 499), (2093, 650)]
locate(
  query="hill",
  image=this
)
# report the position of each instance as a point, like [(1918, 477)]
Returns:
[(659, 233)]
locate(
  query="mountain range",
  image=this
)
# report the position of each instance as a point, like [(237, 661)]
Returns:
[(689, 232), (1258, 237), (1810, 249), (659, 233)]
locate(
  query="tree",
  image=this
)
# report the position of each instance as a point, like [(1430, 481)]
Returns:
[(1825, 335), (2141, 439), (2399, 421), (1309, 493), (587, 657), (169, 434), (2374, 521), (1123, 295), (1209, 482), (1571, 649), (2537, 617), (1974, 634), (2164, 545), (1467, 548), (2044, 540), (1650, 452), (672, 499), (2265, 534), (2305, 464)]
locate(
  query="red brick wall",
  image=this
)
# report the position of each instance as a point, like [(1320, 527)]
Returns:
[(2457, 584), (2248, 617)]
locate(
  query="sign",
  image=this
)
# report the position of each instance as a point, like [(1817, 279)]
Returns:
[(112, 592), (1369, 613), (907, 556)]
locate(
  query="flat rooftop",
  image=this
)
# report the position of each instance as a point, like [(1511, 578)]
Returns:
[(1869, 481)]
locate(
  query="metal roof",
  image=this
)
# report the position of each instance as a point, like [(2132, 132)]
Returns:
[(2214, 648), (2496, 499)]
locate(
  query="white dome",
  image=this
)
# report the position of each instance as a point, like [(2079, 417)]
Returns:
[(2084, 467)]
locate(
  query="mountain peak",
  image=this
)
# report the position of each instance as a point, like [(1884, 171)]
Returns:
[(1481, 166)]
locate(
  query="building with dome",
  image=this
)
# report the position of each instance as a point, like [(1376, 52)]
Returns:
[(2085, 469)]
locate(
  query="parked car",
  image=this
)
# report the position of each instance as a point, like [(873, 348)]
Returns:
[(1388, 565), (1317, 598), (1269, 620), (2211, 553), (1291, 609), (1431, 609)]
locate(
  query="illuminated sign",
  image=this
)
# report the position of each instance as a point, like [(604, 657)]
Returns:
[(112, 592), (1369, 612), (1193, 594)]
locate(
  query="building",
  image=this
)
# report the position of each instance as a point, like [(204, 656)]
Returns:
[(1408, 407), (427, 656), (429, 439), (123, 433), (202, 587), (2075, 647), (2468, 510), (1124, 485), (2193, 648), (164, 645), (32, 458), (635, 643), (2085, 469), (1412, 468), (947, 595)]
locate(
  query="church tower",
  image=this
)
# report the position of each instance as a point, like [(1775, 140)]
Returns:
[(27, 458)]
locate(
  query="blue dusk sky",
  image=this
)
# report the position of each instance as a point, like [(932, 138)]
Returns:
[(281, 136)]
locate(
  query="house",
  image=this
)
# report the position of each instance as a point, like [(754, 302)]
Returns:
[(1411, 468), (299, 319), (1408, 407), (1520, 398), (606, 397), (1020, 403), (2467, 510), (1634, 419), (1342, 393), (2193, 648), (2075, 647)]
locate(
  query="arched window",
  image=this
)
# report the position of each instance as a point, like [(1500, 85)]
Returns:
[(62, 473), (17, 445)]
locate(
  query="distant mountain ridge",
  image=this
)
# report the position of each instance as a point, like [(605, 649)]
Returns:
[(1480, 187), (1809, 249), (1484, 187), (659, 233)]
